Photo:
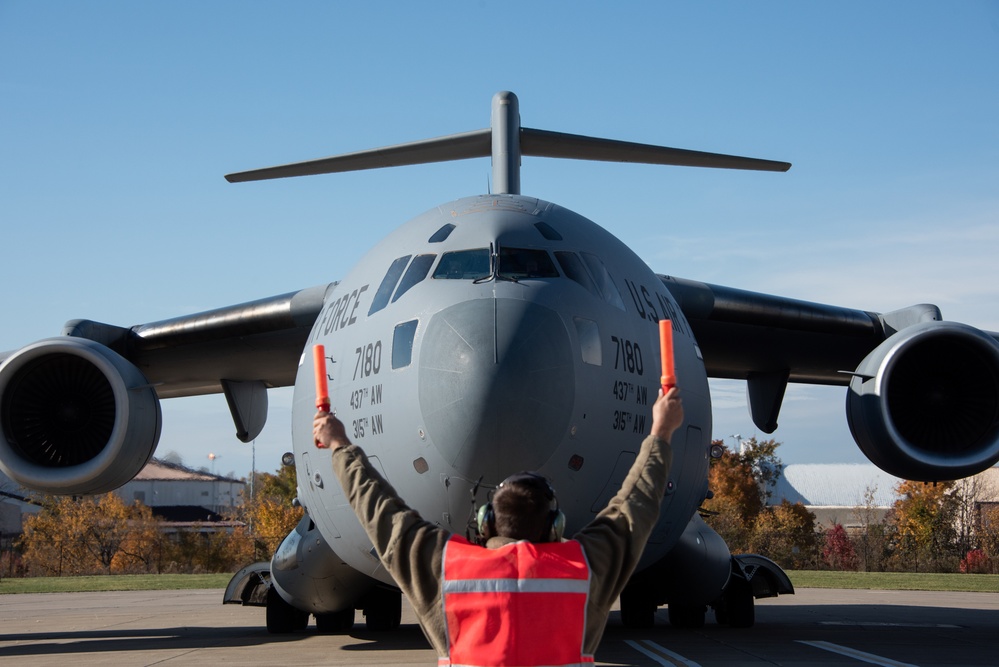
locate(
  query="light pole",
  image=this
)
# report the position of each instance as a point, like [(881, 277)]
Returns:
[(215, 504)]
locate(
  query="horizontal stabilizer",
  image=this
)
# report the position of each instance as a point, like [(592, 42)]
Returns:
[(543, 143), (441, 149), (506, 141)]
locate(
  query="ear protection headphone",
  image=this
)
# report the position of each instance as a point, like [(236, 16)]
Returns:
[(486, 516)]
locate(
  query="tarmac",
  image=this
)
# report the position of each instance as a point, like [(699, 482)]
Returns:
[(193, 627)]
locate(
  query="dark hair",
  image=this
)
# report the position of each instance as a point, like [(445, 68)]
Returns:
[(522, 506)]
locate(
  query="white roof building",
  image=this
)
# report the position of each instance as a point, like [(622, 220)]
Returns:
[(163, 484), (173, 491), (836, 484), (835, 492)]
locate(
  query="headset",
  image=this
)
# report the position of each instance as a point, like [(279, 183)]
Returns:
[(486, 516)]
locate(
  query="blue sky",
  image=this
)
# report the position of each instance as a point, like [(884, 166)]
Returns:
[(118, 120)]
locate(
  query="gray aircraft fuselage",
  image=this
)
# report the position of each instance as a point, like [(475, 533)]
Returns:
[(445, 373)]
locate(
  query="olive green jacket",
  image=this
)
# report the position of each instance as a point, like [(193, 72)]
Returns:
[(412, 549)]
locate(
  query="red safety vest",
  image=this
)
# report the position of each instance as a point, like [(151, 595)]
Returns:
[(523, 604)]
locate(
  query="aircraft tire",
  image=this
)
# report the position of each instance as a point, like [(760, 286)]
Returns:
[(335, 622), (638, 609), (721, 613), (382, 609), (740, 606), (282, 618), (687, 616)]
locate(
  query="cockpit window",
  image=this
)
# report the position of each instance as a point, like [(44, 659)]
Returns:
[(548, 231), (416, 272), (463, 265), (591, 273), (573, 267), (402, 344), (442, 233), (381, 297), (523, 263), (603, 279)]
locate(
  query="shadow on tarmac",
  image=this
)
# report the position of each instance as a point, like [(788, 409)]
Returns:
[(405, 638), (928, 631)]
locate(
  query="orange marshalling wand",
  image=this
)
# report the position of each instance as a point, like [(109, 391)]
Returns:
[(668, 379), (322, 387)]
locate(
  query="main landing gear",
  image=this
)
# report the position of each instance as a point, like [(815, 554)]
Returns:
[(382, 608), (736, 608)]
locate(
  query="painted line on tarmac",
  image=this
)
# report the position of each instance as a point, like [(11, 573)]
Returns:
[(873, 624), (858, 655), (659, 653)]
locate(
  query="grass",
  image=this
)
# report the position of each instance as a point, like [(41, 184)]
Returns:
[(896, 581), (115, 582), (988, 583)]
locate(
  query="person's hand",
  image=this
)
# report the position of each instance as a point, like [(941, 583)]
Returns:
[(667, 414), (328, 431)]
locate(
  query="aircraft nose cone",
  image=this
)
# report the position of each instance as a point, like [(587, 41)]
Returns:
[(496, 385)]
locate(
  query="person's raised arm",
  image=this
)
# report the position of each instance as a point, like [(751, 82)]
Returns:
[(408, 546), (328, 431), (615, 539), (667, 414)]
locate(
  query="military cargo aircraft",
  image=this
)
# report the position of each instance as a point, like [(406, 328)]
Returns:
[(492, 334)]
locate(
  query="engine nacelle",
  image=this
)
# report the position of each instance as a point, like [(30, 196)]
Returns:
[(76, 418), (924, 405)]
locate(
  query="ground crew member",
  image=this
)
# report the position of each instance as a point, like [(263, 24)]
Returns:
[(527, 598)]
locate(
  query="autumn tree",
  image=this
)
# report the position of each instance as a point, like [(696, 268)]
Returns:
[(786, 534), (765, 464), (975, 562), (837, 551), (987, 534), (741, 483), (283, 485), (209, 548), (924, 518), (255, 528), (872, 545), (966, 493), (977, 528), (143, 545), (87, 535), (266, 517), (734, 504), (272, 520), (104, 527), (48, 544)]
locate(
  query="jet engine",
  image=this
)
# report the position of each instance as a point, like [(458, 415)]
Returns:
[(76, 418), (924, 405)]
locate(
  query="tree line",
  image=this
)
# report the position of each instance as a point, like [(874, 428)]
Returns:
[(931, 527), (105, 535)]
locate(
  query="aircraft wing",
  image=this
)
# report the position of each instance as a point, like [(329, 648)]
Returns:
[(191, 355), (81, 411), (743, 333), (258, 341), (928, 388)]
